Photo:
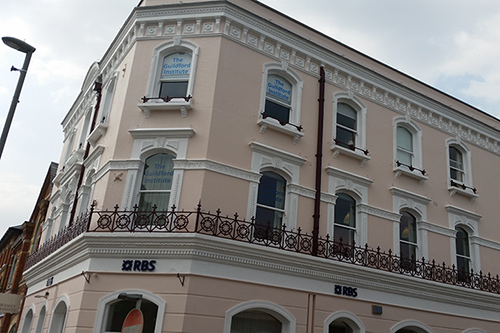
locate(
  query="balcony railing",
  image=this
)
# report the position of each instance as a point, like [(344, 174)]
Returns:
[(234, 228)]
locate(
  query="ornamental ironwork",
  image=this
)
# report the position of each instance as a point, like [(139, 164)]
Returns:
[(240, 230)]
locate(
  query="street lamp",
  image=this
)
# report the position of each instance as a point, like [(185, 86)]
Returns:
[(24, 47)]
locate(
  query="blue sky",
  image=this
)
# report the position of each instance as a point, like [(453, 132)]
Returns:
[(449, 44)]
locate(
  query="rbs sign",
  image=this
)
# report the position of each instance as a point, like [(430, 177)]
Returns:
[(346, 291), (138, 265)]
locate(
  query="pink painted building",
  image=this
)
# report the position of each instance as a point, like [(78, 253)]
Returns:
[(228, 169)]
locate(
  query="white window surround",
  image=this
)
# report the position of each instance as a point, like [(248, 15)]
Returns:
[(469, 221), (417, 162), (416, 205), (354, 322), (265, 158), (359, 107), (28, 319), (102, 308), (355, 186), (150, 141), (153, 89), (474, 330), (58, 318), (412, 324), (467, 163), (296, 103), (288, 321)]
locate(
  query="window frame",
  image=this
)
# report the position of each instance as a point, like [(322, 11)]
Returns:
[(106, 301), (55, 319), (409, 263), (360, 152), (169, 191), (417, 158), (468, 188), (152, 103), (262, 206), (294, 119), (287, 165), (350, 318), (288, 321), (466, 258), (353, 229)]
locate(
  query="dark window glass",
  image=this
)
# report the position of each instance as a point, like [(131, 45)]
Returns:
[(173, 89), (346, 126), (156, 182), (118, 311), (345, 219), (456, 164), (270, 200), (255, 322), (339, 326), (277, 111), (463, 251)]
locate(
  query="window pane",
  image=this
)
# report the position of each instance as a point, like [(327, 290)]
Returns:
[(118, 312), (173, 89), (408, 228), (404, 157), (272, 190), (156, 182), (462, 241), (255, 322), (176, 65), (266, 217), (346, 138), (277, 111), (405, 139), (345, 211), (346, 234), (339, 326), (346, 115), (279, 88)]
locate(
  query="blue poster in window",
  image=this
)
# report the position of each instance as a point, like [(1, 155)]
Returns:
[(176, 66), (279, 88)]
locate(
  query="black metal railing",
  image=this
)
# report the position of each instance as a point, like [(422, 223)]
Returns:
[(411, 167), (351, 146), (462, 186), (166, 99), (234, 228)]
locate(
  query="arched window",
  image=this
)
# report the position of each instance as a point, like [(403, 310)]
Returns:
[(404, 150), (270, 201), (112, 310), (108, 100), (281, 100), (457, 170), (339, 326), (119, 309), (174, 75), (278, 98), (27, 321), (463, 253), (59, 318), (345, 219), (408, 240), (254, 321), (347, 126), (156, 182), (41, 320), (411, 326)]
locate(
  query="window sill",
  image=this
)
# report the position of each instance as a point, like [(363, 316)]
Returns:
[(76, 157), (466, 193), (160, 105), (275, 125), (336, 149), (99, 131), (412, 174)]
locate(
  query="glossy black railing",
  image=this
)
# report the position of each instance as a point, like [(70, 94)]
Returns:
[(214, 224)]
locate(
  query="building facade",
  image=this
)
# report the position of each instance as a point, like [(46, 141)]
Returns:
[(228, 169)]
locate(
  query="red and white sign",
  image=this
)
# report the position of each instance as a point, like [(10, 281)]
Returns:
[(133, 322)]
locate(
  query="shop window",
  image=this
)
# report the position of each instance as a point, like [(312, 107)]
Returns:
[(345, 219), (408, 240), (259, 317), (156, 183), (118, 311), (41, 320), (270, 203), (59, 318), (28, 319), (281, 99), (339, 326), (255, 322)]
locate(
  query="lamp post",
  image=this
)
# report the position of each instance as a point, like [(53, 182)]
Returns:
[(21, 46)]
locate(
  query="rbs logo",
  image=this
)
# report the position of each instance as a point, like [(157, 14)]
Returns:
[(346, 291), (139, 265)]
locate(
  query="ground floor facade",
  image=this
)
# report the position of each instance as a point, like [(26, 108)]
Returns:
[(199, 283)]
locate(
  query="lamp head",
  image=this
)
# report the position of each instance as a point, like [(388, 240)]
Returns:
[(18, 44)]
